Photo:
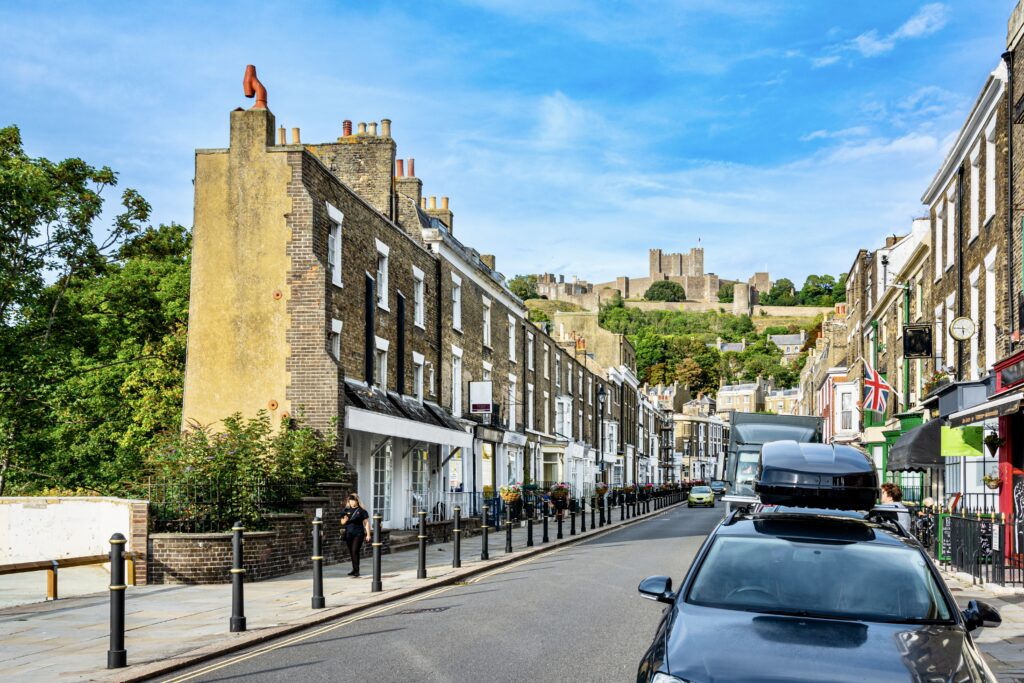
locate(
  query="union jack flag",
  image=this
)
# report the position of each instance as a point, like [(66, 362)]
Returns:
[(876, 390)]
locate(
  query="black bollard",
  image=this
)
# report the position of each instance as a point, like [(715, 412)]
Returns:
[(600, 508), (622, 510), (237, 622), (117, 657), (529, 526), (421, 568), (559, 519), (583, 515), (544, 535), (457, 538), (508, 535), (318, 565), (376, 586), (572, 522), (484, 554), (593, 513)]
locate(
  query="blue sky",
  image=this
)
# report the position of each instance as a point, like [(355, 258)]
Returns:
[(571, 135)]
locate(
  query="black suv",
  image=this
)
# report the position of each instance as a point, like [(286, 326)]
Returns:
[(812, 595)]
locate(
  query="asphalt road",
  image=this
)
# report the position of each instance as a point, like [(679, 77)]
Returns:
[(573, 614)]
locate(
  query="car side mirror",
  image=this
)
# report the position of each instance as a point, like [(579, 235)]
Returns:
[(980, 614), (657, 588)]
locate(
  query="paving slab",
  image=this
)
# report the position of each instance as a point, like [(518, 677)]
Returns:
[(1003, 647)]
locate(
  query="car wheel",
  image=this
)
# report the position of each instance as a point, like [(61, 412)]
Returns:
[(689, 505)]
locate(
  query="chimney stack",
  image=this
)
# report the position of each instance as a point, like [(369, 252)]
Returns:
[(488, 260), (361, 130), (346, 128), (295, 136), (373, 128), (400, 168), (442, 213), (282, 139), (385, 128)]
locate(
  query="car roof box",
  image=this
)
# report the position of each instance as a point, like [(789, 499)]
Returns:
[(816, 475)]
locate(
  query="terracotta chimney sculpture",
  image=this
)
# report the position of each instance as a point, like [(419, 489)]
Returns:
[(251, 86)]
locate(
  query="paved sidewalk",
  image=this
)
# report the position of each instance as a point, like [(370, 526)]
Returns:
[(67, 640), (1003, 646)]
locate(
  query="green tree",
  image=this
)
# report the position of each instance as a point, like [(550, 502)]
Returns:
[(665, 290), (524, 286), (725, 292), (782, 293), (650, 349), (839, 293), (817, 290), (48, 213)]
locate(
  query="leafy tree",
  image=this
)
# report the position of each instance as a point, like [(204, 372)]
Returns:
[(725, 292), (48, 213), (839, 293), (817, 290), (665, 290), (782, 293), (524, 286), (651, 350)]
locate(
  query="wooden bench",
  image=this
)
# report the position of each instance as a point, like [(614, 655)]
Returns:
[(51, 567)]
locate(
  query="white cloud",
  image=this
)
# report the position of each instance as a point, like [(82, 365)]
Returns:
[(819, 62), (928, 20), (853, 131)]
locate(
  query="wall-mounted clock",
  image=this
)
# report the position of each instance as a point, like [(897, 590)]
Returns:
[(961, 328)]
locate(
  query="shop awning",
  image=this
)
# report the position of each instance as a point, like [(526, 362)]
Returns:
[(372, 410), (918, 449), (997, 407)]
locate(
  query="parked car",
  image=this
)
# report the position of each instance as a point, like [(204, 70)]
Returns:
[(702, 496), (719, 487), (807, 593)]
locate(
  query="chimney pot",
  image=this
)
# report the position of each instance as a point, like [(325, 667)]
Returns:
[(423, 202), (282, 138), (385, 128), (361, 130), (444, 203), (295, 136), (400, 164), (433, 202), (412, 168), (373, 128), (346, 128)]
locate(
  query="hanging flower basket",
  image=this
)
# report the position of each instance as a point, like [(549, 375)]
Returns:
[(993, 442), (531, 487), (559, 491), (629, 488), (511, 493), (601, 488), (992, 482)]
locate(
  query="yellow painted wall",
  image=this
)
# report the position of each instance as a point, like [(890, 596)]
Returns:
[(238, 312)]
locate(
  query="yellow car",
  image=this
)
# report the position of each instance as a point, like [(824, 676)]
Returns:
[(701, 495)]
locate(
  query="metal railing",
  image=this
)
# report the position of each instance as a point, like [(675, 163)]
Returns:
[(985, 545), (440, 505)]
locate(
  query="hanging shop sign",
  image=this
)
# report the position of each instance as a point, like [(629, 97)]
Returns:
[(917, 341)]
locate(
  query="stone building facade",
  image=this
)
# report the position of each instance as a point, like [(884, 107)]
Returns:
[(325, 287)]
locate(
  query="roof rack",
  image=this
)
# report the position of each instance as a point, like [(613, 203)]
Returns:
[(882, 517)]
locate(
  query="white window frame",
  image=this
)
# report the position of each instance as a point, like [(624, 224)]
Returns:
[(950, 342), (950, 227), (512, 402), (456, 303), (547, 362), (456, 381), (974, 280), (334, 236), (487, 322), (380, 375), (511, 338), (488, 368), (940, 335), (590, 390), (418, 298), (937, 252), (529, 350), (383, 252), (418, 361), (547, 412), (558, 371), (334, 339)]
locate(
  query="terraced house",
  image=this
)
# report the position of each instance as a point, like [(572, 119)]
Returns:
[(326, 286)]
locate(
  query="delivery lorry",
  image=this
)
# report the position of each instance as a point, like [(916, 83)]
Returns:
[(748, 432)]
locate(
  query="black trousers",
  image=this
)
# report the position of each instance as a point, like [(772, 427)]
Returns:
[(354, 542)]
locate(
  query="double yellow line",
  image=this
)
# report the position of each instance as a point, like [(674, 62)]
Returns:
[(351, 620)]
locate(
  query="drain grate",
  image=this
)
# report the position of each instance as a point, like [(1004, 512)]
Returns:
[(423, 610)]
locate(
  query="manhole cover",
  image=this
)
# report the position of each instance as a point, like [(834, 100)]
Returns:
[(423, 610)]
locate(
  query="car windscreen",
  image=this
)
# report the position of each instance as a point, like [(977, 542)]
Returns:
[(701, 489), (746, 470), (829, 579)]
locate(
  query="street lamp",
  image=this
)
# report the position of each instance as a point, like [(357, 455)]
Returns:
[(600, 407)]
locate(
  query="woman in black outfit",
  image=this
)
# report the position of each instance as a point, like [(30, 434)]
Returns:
[(356, 522)]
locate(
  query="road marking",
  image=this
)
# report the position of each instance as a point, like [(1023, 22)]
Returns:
[(351, 620)]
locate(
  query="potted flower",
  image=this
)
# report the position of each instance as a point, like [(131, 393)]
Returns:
[(510, 493), (993, 441), (601, 488), (488, 491), (629, 488), (992, 481), (559, 495)]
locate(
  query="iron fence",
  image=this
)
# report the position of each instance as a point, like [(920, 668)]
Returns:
[(205, 505), (985, 545)]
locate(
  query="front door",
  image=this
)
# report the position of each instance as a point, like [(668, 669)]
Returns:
[(382, 481)]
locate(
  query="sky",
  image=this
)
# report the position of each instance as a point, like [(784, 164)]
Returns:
[(571, 135)]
